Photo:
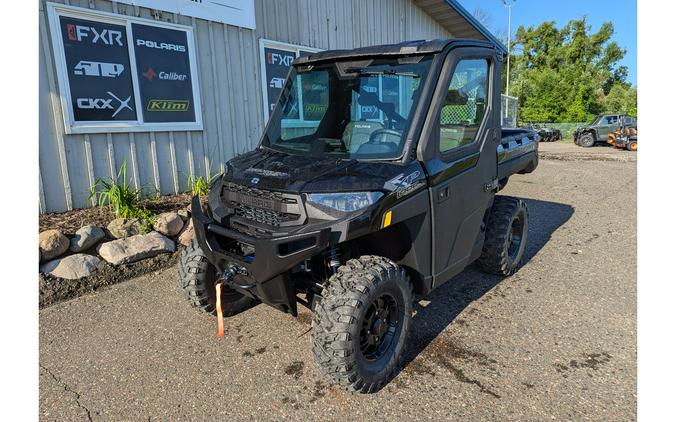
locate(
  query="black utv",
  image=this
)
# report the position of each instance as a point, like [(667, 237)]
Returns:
[(374, 182)]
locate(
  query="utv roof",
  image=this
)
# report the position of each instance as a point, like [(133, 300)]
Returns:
[(404, 48)]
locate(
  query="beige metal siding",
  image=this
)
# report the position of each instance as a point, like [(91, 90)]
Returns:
[(229, 71)]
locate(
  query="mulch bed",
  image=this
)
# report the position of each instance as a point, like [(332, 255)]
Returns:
[(70, 221), (54, 290)]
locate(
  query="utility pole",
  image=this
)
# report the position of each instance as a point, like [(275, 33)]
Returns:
[(508, 4)]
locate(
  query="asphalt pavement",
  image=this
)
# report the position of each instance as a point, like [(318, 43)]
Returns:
[(557, 340)]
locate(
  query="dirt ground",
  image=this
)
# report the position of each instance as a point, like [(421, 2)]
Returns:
[(557, 340)]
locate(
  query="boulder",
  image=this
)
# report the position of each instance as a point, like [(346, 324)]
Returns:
[(52, 243), (184, 214), (120, 228), (168, 224), (187, 234), (135, 248), (72, 267), (85, 238)]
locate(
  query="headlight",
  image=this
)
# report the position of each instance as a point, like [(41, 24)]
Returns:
[(345, 202)]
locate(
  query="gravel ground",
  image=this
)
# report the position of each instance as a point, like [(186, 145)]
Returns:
[(555, 341)]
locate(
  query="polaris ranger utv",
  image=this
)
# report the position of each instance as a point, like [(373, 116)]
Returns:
[(374, 181)]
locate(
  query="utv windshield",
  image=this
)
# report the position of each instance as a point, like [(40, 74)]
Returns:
[(357, 110)]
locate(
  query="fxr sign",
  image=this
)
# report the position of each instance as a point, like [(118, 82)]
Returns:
[(89, 33), (280, 59)]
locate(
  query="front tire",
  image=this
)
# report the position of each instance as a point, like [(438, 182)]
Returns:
[(587, 140), (196, 279), (505, 236), (632, 146), (362, 322)]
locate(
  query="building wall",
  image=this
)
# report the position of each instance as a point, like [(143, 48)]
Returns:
[(232, 106)]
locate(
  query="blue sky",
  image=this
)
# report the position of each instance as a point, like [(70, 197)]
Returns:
[(623, 13)]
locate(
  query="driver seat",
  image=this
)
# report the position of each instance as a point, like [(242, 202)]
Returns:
[(358, 133)]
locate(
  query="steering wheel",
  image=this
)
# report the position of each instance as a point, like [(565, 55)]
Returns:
[(380, 132)]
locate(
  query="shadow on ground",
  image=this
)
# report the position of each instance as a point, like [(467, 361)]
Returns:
[(446, 302)]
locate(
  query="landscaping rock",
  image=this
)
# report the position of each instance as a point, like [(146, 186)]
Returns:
[(135, 248), (120, 228), (52, 243), (187, 234), (72, 267), (184, 214), (85, 238), (168, 224)]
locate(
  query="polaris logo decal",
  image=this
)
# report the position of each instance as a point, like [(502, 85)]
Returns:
[(161, 46), (255, 180)]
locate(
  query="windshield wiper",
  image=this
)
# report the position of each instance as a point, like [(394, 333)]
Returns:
[(361, 71)]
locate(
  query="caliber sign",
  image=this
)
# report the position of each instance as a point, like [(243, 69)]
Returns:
[(97, 60), (163, 68)]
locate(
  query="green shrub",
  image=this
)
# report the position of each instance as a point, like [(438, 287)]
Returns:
[(201, 185), (122, 198)]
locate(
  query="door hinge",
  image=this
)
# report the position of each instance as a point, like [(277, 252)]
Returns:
[(491, 186)]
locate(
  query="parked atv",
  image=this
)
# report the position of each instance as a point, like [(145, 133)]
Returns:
[(547, 134), (374, 182)]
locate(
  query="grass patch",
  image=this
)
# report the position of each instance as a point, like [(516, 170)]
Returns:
[(200, 186), (121, 197)]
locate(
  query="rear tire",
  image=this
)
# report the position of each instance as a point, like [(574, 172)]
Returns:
[(505, 236), (632, 146), (196, 279), (587, 140), (362, 322)]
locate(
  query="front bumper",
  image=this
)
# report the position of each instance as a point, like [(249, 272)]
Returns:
[(266, 276)]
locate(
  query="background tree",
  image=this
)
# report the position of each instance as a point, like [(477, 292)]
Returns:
[(569, 74)]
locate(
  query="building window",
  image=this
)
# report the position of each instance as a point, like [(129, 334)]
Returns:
[(124, 74)]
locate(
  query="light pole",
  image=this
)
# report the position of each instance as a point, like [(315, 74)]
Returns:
[(508, 4)]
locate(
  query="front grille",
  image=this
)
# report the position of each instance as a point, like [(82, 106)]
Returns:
[(260, 215), (262, 206)]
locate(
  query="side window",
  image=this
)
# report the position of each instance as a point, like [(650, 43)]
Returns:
[(610, 120), (465, 103)]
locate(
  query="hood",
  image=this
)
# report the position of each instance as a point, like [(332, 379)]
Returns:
[(279, 171)]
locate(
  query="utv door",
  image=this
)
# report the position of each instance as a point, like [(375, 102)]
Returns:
[(460, 139)]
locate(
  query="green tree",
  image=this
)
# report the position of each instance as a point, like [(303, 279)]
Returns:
[(622, 98), (567, 74)]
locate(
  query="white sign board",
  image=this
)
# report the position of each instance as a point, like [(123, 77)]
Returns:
[(233, 12)]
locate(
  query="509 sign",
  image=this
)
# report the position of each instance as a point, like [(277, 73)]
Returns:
[(121, 73)]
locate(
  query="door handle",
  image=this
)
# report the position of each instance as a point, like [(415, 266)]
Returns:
[(443, 193), (491, 185)]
